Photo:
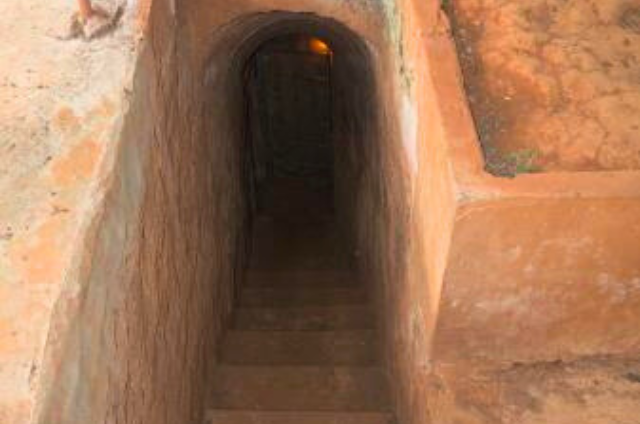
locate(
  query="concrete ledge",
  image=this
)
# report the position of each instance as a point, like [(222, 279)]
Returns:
[(542, 266), (543, 279)]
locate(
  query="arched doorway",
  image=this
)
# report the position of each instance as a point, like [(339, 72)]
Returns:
[(168, 265), (328, 140), (302, 340)]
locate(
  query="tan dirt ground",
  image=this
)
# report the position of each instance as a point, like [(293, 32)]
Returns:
[(553, 84)]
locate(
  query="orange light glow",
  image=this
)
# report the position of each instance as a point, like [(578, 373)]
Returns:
[(319, 47)]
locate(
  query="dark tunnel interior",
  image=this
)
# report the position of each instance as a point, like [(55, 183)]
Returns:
[(289, 121)]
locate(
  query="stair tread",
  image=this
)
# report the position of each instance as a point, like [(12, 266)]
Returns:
[(302, 296), (300, 348), (301, 278), (306, 318), (317, 388), (221, 416)]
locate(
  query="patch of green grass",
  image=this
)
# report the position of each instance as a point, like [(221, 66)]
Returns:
[(524, 161), (514, 163)]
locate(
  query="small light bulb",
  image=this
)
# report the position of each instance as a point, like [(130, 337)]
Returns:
[(319, 47)]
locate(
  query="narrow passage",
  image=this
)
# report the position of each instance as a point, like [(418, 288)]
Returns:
[(303, 347)]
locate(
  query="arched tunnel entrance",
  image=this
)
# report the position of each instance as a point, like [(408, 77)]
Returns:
[(289, 121), (302, 106), (254, 184), (302, 339), (290, 150)]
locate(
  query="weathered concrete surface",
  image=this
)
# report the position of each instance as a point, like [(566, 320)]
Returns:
[(441, 244), (542, 280), (576, 230), (109, 273), (558, 78), (59, 117), (402, 181), (160, 282)]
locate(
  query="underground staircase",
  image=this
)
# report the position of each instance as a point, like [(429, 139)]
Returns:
[(302, 348)]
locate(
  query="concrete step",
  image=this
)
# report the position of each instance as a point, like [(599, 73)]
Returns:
[(301, 278), (300, 348), (296, 297), (217, 416), (308, 318), (299, 388)]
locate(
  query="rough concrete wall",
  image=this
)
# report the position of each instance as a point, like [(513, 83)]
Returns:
[(556, 79), (60, 116), (541, 280), (149, 319), (576, 230), (563, 224), (118, 261), (413, 297), (357, 136), (398, 174)]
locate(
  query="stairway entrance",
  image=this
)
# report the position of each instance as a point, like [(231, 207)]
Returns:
[(302, 347), (250, 177)]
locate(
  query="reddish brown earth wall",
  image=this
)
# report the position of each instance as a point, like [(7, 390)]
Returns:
[(579, 231), (60, 120), (134, 343), (402, 206), (554, 78), (541, 280), (421, 189), (461, 296)]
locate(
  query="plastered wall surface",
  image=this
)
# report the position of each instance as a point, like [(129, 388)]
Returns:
[(60, 119), (542, 280), (566, 91), (115, 283), (156, 299)]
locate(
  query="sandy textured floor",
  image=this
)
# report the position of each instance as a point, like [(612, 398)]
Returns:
[(553, 84)]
